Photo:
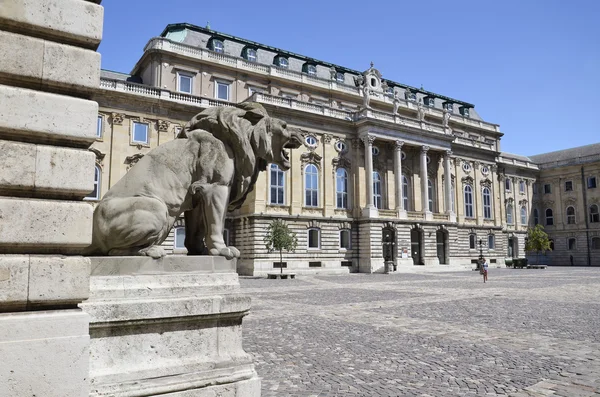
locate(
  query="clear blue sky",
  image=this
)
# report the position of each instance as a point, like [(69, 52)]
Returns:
[(531, 66)]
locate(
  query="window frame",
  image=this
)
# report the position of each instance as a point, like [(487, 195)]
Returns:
[(523, 213), (509, 214), (430, 195), (97, 184), (188, 75), (225, 83), (549, 190), (341, 194), (595, 243), (247, 54), (221, 49), (522, 187), (405, 192), (312, 190), (549, 217), (287, 62), (276, 186), (508, 185), (574, 246), (589, 182), (469, 205), (341, 247), (100, 127), (491, 242), (133, 128), (594, 215), (337, 77), (318, 230), (571, 217), (472, 241), (175, 230), (568, 186), (487, 207), (377, 190)]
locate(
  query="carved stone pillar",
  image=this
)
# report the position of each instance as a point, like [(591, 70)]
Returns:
[(370, 209), (398, 177), (424, 187)]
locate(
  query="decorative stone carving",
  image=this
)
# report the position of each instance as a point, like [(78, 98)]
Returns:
[(398, 145), (366, 96), (132, 160), (424, 149), (420, 111), (312, 158), (99, 155), (326, 138), (467, 180), (163, 125), (367, 139), (135, 216), (396, 103), (340, 162), (332, 72), (486, 183), (117, 118), (313, 224), (445, 118)]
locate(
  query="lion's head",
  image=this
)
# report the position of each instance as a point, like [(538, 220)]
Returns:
[(249, 124)]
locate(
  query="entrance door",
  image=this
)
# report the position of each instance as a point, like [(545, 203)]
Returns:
[(388, 238), (442, 246), (416, 244), (513, 247)]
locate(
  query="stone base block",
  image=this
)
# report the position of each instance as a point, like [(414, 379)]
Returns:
[(44, 353), (263, 267), (371, 265), (171, 327)]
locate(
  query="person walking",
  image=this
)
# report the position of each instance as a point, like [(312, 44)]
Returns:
[(484, 269)]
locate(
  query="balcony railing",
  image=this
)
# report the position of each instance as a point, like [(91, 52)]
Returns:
[(161, 43)]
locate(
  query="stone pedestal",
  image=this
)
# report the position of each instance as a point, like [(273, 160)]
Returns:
[(170, 326)]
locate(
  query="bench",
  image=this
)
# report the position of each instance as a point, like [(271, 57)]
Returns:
[(281, 275), (536, 266)]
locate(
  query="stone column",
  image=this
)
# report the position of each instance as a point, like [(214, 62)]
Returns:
[(398, 177), (428, 215), (370, 210), (448, 187), (50, 70)]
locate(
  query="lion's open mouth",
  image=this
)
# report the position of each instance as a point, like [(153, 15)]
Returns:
[(294, 142)]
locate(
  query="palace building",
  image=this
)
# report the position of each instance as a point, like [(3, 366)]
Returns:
[(388, 172)]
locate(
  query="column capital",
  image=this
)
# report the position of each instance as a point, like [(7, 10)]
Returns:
[(367, 139), (398, 145), (424, 149), (448, 152)]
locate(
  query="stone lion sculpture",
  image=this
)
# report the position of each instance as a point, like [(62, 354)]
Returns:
[(209, 169)]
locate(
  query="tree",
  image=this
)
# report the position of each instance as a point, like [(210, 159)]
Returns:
[(279, 237), (537, 240)]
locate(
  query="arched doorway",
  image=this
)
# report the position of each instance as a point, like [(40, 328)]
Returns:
[(388, 239), (513, 247), (416, 245), (442, 245)]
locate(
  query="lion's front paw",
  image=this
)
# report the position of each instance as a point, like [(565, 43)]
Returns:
[(154, 251), (227, 252)]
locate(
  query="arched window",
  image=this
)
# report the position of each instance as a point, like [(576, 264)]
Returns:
[(468, 201), (549, 217), (507, 184), (536, 216), (277, 185), (377, 198), (95, 194), (487, 203), (179, 237), (594, 214), (509, 214), (523, 216), (472, 241), (311, 185), (430, 193), (341, 188), (405, 192), (570, 215)]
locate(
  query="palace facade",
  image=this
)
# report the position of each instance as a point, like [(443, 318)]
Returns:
[(387, 171)]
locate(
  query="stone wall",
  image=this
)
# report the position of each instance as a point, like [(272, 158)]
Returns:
[(48, 70)]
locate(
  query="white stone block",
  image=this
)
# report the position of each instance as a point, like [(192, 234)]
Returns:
[(54, 280), (17, 162), (46, 63), (44, 353), (14, 281), (71, 21), (40, 226), (71, 121), (64, 170)]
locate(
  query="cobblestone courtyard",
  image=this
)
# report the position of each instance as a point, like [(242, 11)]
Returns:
[(524, 333)]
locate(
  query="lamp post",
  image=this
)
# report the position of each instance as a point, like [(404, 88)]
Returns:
[(480, 253)]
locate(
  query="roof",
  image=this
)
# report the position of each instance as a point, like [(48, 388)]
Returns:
[(110, 74), (179, 26), (567, 154), (516, 157)]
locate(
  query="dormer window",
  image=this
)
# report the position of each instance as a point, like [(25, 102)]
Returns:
[(448, 107), (216, 45), (410, 96), (339, 77), (281, 61), (429, 101), (310, 69), (249, 54), (464, 111)]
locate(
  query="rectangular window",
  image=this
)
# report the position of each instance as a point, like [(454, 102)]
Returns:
[(568, 186), (314, 238), (472, 241), (345, 239), (140, 133), (491, 242), (572, 244), (279, 265), (591, 182), (277, 185), (347, 263), (547, 188), (222, 90), (314, 264), (184, 82), (179, 240), (521, 186), (99, 127), (535, 188)]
